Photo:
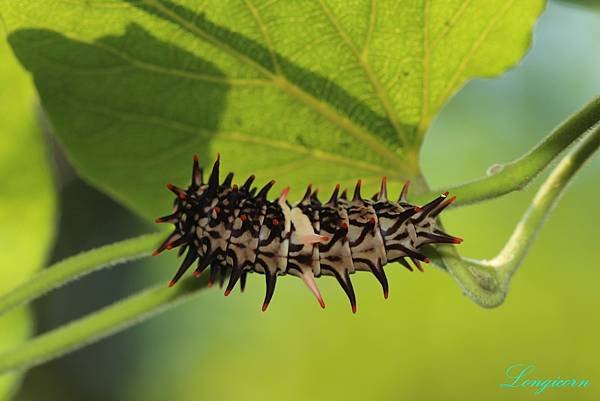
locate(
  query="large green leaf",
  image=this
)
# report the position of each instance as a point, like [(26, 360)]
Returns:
[(334, 89), (27, 200)]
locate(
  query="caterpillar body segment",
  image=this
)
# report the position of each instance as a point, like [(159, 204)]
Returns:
[(238, 230)]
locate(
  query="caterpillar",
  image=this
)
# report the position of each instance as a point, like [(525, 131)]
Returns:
[(236, 230)]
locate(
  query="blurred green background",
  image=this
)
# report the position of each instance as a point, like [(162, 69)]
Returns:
[(426, 341)]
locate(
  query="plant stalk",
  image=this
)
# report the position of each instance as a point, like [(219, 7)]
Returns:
[(517, 174), (78, 266), (103, 323)]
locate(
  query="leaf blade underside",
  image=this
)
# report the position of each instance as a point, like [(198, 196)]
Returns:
[(320, 92)]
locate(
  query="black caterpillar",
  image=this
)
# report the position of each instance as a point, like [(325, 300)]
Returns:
[(236, 230)]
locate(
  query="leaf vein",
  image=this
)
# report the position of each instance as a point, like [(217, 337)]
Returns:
[(472, 51), (366, 67), (140, 118), (134, 63), (372, 20), (426, 73), (287, 86), (451, 24), (265, 32)]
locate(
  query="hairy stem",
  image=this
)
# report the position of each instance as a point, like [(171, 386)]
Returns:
[(78, 266), (517, 174), (98, 325), (487, 281), (513, 253)]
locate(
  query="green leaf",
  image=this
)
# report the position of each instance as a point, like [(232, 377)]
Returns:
[(27, 200), (331, 89)]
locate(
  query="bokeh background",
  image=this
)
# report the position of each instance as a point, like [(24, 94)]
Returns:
[(427, 341)]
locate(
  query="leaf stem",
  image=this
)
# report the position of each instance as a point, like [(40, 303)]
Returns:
[(77, 266), (486, 281), (517, 174), (98, 325), (513, 253)]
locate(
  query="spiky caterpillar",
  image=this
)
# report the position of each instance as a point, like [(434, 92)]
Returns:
[(237, 230)]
